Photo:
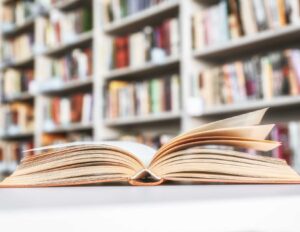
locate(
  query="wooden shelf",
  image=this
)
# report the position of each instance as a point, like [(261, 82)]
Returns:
[(69, 128), (68, 4), (19, 28), (143, 17), (143, 119), (69, 86), (169, 63), (79, 40), (255, 42), (19, 64), (20, 97), (287, 101)]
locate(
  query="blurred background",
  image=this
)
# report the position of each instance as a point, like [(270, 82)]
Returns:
[(144, 70)]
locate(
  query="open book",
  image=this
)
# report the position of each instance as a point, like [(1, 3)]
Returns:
[(186, 158)]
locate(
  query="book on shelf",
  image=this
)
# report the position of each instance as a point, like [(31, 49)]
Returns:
[(16, 118), (11, 153), (18, 48), (53, 72), (16, 82), (114, 10), (67, 110), (187, 158), (153, 44), (231, 19), (60, 138), (142, 98), (17, 13), (259, 77), (62, 27)]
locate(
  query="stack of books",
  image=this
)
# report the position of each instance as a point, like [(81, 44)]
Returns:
[(15, 82), (16, 118), (63, 111), (153, 44), (231, 19), (18, 48), (118, 9), (62, 27), (73, 66), (259, 77), (128, 99)]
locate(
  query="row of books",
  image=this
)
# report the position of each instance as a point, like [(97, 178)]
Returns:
[(231, 19), (63, 111), (15, 82), (18, 48), (16, 118), (75, 65), (17, 13), (259, 77), (62, 27), (117, 9), (127, 99), (10, 155), (153, 44)]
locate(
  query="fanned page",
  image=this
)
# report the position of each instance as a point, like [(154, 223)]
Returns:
[(143, 152), (184, 159)]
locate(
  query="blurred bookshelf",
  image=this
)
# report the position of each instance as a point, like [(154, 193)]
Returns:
[(101, 70)]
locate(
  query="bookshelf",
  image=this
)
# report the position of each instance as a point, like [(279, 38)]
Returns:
[(246, 44), (186, 64)]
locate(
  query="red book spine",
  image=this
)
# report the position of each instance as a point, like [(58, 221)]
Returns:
[(122, 52), (55, 110)]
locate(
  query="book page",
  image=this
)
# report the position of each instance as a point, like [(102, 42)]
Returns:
[(142, 152)]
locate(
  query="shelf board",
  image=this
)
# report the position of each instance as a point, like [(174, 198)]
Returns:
[(17, 136), (151, 118), (20, 97), (286, 101), (143, 17), (79, 40), (69, 128), (67, 4), (69, 86), (19, 28), (144, 69), (19, 64), (245, 44)]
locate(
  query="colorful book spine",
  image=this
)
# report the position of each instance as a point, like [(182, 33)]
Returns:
[(260, 77), (230, 19), (64, 111), (16, 82), (16, 118), (114, 10), (62, 27), (18, 48), (129, 99), (152, 44)]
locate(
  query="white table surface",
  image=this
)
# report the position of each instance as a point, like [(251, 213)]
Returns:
[(237, 208)]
